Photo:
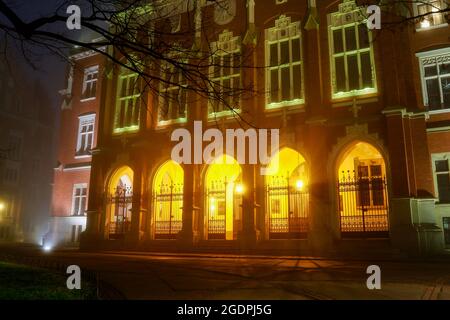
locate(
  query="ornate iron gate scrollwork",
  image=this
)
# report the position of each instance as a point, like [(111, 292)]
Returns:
[(120, 205), (168, 203), (216, 200), (288, 210), (363, 206)]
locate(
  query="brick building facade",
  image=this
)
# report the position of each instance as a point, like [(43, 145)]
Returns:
[(77, 136), (364, 130)]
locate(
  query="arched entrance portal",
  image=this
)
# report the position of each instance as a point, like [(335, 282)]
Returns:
[(287, 196), (223, 198), (362, 188), (168, 200), (120, 197)]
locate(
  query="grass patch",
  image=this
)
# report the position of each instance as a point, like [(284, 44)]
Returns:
[(19, 282)]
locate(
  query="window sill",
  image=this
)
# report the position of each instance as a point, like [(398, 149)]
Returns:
[(132, 129), (165, 123), (82, 156), (349, 102), (87, 99), (432, 27), (297, 103), (439, 111), (442, 204), (223, 114), (353, 94)]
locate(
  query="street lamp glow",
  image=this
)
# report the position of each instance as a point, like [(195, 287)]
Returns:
[(47, 248), (212, 206), (2, 206), (239, 188), (299, 184)]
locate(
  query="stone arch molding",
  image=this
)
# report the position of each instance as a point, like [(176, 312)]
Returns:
[(356, 133)]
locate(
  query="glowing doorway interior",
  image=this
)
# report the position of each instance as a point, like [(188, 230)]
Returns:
[(168, 200), (120, 199), (363, 203), (287, 196), (223, 198)]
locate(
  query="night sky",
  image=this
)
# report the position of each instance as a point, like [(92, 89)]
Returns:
[(50, 70)]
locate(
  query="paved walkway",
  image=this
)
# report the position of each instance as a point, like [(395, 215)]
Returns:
[(206, 276)]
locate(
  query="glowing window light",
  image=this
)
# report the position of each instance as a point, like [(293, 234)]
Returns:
[(2, 206), (425, 24), (213, 206)]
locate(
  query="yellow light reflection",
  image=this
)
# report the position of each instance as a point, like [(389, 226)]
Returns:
[(239, 188), (223, 174), (124, 174)]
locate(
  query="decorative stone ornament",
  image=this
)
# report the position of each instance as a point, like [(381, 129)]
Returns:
[(224, 11)]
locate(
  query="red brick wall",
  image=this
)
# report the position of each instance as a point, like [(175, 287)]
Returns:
[(63, 190), (439, 142), (64, 180)]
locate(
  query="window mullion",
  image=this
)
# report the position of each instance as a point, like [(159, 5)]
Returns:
[(291, 70), (441, 91), (279, 71), (358, 53), (344, 45)]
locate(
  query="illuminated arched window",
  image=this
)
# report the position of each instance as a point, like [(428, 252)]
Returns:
[(119, 204), (351, 52), (363, 197), (287, 195), (223, 198), (168, 200)]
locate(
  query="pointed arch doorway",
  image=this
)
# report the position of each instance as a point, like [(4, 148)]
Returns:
[(168, 200), (223, 199), (120, 203), (362, 188), (287, 196)]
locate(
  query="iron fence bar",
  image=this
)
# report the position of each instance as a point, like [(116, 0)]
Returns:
[(288, 206), (170, 209), (363, 205)]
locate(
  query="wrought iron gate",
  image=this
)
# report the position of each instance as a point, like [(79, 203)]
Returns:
[(168, 204), (120, 205), (287, 210), (363, 206), (216, 200)]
